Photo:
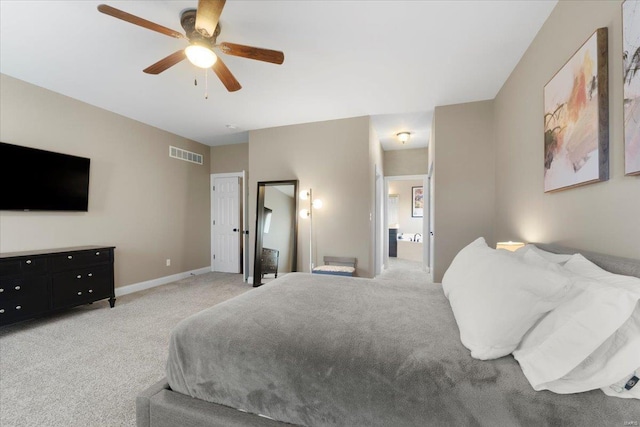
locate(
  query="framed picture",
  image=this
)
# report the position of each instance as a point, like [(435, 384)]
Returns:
[(576, 118), (417, 202), (631, 70)]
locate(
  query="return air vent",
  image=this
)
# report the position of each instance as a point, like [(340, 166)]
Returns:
[(188, 156)]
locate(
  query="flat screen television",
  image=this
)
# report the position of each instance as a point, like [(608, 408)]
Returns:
[(39, 180)]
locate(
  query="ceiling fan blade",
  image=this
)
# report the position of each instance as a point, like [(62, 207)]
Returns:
[(225, 76), (208, 15), (266, 55), (117, 13), (165, 63)]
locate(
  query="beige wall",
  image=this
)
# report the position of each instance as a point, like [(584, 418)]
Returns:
[(230, 158), (406, 162), (464, 179), (603, 217), (333, 159), (407, 223), (149, 206)]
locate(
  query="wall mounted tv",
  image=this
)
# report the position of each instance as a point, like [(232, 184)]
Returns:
[(38, 180)]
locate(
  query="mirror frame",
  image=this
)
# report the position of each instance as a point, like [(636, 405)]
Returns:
[(257, 261)]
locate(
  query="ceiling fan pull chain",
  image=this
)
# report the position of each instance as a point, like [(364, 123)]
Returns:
[(206, 84)]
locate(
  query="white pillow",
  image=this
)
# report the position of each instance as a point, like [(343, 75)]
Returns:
[(549, 256), (496, 298), (591, 340)]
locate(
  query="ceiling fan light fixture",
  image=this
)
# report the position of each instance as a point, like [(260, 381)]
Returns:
[(200, 56), (403, 136)]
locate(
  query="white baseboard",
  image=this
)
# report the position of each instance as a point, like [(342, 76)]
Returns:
[(137, 287), (250, 280)]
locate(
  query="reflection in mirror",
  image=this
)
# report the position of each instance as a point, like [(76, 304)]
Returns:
[(276, 230), (267, 216)]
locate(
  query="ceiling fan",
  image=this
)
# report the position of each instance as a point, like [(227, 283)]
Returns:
[(201, 28)]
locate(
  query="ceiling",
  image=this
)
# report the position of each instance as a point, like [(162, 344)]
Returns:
[(393, 60)]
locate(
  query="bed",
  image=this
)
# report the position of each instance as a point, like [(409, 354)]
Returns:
[(328, 350)]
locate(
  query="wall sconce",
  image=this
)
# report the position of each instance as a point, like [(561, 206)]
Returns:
[(308, 213), (509, 246), (403, 136)]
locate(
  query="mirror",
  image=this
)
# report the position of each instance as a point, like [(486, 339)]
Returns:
[(276, 251)]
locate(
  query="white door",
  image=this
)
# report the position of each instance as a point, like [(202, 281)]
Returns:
[(226, 229)]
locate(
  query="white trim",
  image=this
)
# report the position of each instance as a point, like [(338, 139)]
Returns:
[(137, 287), (250, 280)]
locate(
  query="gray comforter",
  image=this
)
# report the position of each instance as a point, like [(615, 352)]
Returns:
[(336, 351)]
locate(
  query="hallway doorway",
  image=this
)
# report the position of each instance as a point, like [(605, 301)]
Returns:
[(406, 221)]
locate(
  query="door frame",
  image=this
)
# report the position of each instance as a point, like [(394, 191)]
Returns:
[(426, 256), (379, 241), (244, 241)]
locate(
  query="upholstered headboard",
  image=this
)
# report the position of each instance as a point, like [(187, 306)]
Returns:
[(614, 264)]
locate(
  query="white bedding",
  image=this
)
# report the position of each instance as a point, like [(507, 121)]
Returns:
[(591, 340), (584, 337)]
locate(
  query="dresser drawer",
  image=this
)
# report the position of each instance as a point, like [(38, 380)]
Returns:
[(25, 266), (81, 286), (18, 287), (80, 259), (22, 308), (9, 267)]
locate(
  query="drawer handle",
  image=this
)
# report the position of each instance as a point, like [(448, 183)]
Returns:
[(98, 253), (17, 288), (69, 256), (90, 291), (18, 307), (90, 274), (79, 293), (1, 310), (78, 277), (28, 261)]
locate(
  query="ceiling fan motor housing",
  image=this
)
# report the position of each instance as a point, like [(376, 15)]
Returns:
[(188, 22)]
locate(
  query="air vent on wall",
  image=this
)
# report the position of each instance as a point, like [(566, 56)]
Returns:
[(179, 153)]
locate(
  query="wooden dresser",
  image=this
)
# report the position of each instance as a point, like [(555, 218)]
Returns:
[(33, 283)]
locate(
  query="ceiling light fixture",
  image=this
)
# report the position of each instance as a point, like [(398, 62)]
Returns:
[(403, 136), (200, 56)]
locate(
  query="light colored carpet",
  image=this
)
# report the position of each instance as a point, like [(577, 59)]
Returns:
[(85, 366)]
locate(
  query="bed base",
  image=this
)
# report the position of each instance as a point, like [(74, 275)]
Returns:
[(159, 406)]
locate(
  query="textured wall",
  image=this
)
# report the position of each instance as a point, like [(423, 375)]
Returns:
[(602, 217), (230, 158), (149, 206), (464, 179), (332, 158), (406, 162)]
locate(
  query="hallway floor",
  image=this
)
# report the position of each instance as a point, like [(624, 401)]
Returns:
[(406, 270)]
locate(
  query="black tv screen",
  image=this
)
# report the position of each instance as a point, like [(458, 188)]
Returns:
[(32, 179)]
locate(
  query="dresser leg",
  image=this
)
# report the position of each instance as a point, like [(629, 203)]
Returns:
[(112, 302)]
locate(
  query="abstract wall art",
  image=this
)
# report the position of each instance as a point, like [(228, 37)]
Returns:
[(417, 202), (631, 70), (576, 118)]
